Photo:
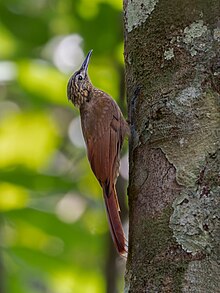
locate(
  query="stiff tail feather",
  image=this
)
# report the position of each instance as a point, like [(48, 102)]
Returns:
[(112, 207)]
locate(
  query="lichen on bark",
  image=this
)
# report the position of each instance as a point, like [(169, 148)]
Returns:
[(137, 12), (195, 219), (202, 276)]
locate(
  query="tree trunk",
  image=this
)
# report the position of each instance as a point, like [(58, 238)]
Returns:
[(172, 57)]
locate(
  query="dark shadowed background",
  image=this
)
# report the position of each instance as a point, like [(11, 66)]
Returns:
[(53, 230)]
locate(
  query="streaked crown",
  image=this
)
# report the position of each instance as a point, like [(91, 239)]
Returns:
[(79, 85)]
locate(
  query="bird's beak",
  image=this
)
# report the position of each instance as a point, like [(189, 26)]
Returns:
[(85, 64)]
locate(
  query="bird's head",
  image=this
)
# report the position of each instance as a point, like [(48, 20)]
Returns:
[(79, 85)]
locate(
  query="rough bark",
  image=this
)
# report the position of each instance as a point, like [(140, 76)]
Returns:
[(172, 58)]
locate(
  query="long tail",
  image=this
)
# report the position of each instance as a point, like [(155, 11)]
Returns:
[(112, 207)]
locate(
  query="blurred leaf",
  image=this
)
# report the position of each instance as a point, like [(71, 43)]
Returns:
[(27, 139), (74, 235), (40, 79), (90, 9), (12, 197), (105, 40), (64, 278), (8, 43), (36, 181), (104, 76), (26, 26)]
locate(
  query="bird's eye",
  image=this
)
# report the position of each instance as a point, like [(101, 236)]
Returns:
[(80, 77)]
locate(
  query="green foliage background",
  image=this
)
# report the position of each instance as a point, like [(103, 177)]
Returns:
[(38, 163)]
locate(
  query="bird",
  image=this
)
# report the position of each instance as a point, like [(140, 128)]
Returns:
[(104, 129)]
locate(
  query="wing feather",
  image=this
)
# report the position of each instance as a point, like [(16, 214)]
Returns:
[(104, 129), (103, 146)]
